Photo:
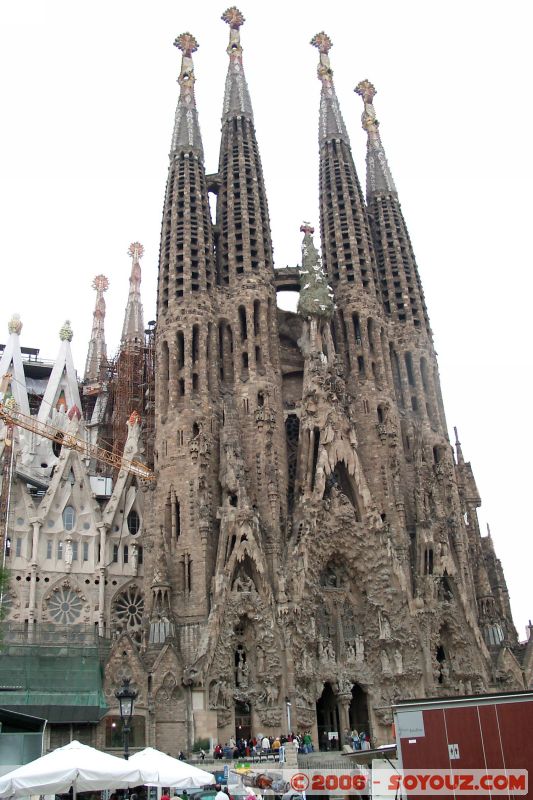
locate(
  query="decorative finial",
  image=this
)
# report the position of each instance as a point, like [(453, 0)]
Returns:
[(14, 325), (186, 43), (134, 418), (306, 227), (488, 530), (322, 42), (66, 334), (136, 250), (366, 90), (233, 17), (100, 283), (74, 412)]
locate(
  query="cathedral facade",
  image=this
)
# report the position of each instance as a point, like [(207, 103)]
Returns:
[(310, 540)]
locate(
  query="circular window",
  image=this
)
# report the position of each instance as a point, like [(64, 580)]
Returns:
[(64, 606), (86, 526), (128, 610)]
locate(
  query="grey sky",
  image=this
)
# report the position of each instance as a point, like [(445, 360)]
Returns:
[(87, 97)]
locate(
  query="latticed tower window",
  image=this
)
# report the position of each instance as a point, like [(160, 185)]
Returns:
[(292, 433)]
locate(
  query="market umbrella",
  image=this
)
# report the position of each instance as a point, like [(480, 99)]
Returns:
[(75, 765), (158, 769)]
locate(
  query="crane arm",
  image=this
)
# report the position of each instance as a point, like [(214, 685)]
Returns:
[(12, 417)]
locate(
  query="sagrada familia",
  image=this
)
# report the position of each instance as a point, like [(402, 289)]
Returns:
[(309, 539)]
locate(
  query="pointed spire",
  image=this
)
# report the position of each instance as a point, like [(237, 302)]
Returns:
[(378, 174), (316, 296), (133, 328), (186, 136), (237, 101), (97, 351), (331, 122), (460, 459)]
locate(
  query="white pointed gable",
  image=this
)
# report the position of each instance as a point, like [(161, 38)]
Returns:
[(63, 380)]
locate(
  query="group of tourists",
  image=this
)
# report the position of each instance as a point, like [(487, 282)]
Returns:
[(257, 746)]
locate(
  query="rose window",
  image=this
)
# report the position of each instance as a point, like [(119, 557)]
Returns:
[(128, 609), (65, 606)]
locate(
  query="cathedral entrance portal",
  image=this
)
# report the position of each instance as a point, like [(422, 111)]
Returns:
[(243, 720), (327, 720), (358, 711)]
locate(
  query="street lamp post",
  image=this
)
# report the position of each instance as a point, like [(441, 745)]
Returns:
[(126, 697)]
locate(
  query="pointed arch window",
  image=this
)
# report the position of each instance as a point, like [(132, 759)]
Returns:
[(69, 518)]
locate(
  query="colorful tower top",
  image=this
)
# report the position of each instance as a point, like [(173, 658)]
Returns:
[(97, 351), (186, 136), (378, 174), (331, 122), (236, 96), (133, 328)]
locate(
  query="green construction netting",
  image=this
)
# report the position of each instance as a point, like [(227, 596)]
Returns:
[(60, 684)]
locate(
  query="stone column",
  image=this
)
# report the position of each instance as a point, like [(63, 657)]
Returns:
[(102, 527), (33, 575), (343, 704)]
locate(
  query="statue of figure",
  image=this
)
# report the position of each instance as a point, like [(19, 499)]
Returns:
[(242, 668), (320, 480), (134, 557), (445, 671), (385, 663), (384, 626), (260, 659), (398, 661), (359, 648), (215, 694), (350, 653), (306, 662), (68, 552), (328, 651), (270, 693)]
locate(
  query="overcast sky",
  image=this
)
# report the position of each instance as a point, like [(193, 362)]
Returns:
[(87, 101)]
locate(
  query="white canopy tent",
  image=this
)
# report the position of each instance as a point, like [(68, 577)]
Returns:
[(75, 765), (158, 769)]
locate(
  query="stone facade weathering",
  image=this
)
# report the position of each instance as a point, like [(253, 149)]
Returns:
[(311, 536)]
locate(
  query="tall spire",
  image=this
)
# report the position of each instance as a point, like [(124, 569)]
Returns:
[(133, 328), (344, 226), (236, 96), (245, 245), (97, 351), (378, 174), (331, 122), (186, 136), (458, 449), (401, 288)]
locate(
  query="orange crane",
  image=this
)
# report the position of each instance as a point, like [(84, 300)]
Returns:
[(11, 417)]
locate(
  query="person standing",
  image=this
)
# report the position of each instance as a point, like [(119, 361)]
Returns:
[(220, 795)]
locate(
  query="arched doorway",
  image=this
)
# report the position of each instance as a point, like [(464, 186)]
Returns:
[(243, 720), (358, 711), (327, 719)]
